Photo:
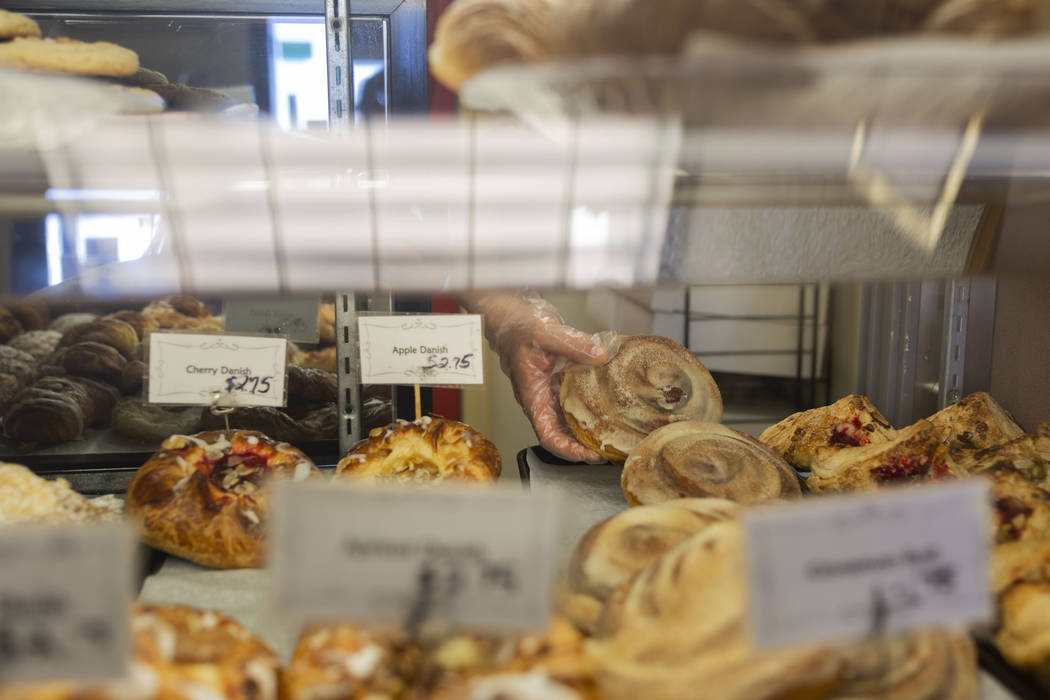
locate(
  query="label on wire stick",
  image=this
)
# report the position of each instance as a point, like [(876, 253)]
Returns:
[(192, 369), (483, 559), (425, 349), (854, 567), (64, 597), (294, 318)]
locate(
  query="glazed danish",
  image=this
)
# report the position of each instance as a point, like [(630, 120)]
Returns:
[(916, 454), (852, 421), (695, 459), (649, 382), (203, 497), (429, 450), (977, 422), (177, 652)]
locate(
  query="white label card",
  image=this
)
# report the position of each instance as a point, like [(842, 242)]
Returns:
[(853, 567), (294, 318), (191, 369), (64, 597), (432, 349), (478, 558)]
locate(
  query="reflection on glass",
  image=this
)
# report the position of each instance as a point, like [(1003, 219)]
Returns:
[(276, 63)]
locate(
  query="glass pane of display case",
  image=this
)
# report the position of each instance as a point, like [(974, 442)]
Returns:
[(277, 63)]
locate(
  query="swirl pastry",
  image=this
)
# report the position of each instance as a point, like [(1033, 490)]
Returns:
[(73, 390), (312, 384), (39, 344), (132, 377), (619, 547), (177, 652), (38, 415), (116, 334), (852, 421), (695, 459), (916, 454), (650, 382), (148, 423), (91, 359), (203, 497), (66, 321), (472, 35), (427, 451), (33, 315), (19, 365), (142, 323), (10, 385), (923, 665), (1024, 637), (264, 419), (682, 624), (9, 325)]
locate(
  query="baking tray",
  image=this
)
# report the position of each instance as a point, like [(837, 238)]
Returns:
[(103, 449)]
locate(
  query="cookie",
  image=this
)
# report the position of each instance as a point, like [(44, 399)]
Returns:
[(69, 56), (13, 24)]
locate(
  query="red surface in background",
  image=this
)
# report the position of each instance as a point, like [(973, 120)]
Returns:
[(441, 99), (446, 401)]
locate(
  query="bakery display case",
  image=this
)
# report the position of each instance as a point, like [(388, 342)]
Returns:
[(821, 258)]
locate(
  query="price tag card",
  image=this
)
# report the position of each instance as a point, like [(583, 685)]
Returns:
[(295, 318), (436, 349), (850, 567), (478, 558), (190, 369), (64, 597)]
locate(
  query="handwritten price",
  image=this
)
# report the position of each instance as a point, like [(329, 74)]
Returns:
[(445, 362), (248, 384)]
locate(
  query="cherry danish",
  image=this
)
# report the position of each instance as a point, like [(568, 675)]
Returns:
[(204, 497)]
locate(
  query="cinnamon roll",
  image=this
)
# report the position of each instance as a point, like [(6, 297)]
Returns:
[(619, 547), (922, 665), (699, 459), (682, 624), (472, 35), (649, 382), (1024, 638)]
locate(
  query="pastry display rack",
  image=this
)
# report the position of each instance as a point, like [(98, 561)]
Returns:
[(719, 167)]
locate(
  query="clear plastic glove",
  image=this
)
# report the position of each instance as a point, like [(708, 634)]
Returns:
[(534, 345)]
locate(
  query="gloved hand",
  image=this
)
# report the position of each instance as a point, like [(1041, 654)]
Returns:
[(533, 344)]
